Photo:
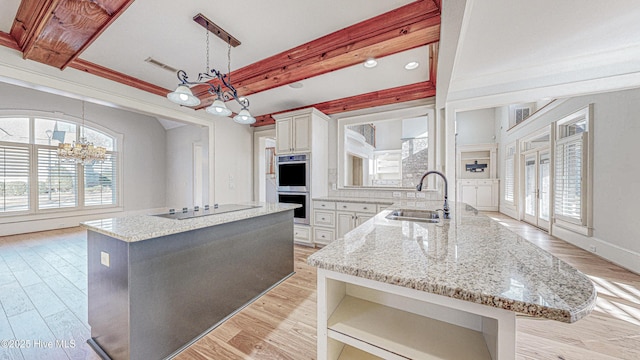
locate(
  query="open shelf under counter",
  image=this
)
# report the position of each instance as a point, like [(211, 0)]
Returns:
[(394, 322), (403, 335), (351, 353)]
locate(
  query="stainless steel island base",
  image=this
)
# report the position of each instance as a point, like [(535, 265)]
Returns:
[(149, 299)]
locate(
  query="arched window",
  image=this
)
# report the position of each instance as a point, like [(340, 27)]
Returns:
[(33, 179)]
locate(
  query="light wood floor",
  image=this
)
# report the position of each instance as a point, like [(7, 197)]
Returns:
[(43, 296)]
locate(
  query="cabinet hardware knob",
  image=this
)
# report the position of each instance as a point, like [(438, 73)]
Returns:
[(365, 208), (344, 206), (322, 218)]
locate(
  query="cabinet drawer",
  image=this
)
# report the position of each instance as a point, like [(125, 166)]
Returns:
[(486, 182), (323, 236), (327, 205), (324, 218), (381, 207), (359, 207), (301, 233), (468, 182)]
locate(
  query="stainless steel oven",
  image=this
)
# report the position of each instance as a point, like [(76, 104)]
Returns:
[(293, 173), (300, 215)]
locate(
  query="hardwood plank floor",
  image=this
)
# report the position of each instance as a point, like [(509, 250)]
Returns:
[(43, 290)]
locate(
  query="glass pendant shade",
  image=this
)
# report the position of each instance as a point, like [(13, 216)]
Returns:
[(244, 117), (183, 96), (218, 108)]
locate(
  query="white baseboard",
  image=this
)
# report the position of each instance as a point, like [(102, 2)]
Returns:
[(61, 221), (509, 211), (628, 259)]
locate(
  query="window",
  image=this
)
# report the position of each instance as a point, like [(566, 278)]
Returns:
[(521, 114), (572, 169), (509, 173), (33, 179), (14, 178)]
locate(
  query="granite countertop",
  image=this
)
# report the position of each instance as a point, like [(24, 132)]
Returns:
[(143, 227), (356, 200), (469, 257)]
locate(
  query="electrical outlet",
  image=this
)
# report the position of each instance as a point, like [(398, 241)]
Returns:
[(397, 194), (592, 248), (104, 258), (421, 195), (411, 195)]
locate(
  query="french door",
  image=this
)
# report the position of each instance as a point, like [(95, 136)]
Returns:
[(537, 187)]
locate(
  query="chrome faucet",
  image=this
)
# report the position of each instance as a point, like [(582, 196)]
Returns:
[(445, 208)]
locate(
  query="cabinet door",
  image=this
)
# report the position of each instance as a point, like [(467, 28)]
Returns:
[(302, 133), (283, 136), (484, 196), (468, 193), (361, 218), (344, 223)]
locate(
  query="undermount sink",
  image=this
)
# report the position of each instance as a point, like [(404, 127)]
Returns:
[(414, 215)]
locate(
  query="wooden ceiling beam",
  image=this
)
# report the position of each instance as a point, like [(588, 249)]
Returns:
[(8, 41), (417, 91), (405, 28), (106, 73), (55, 32)]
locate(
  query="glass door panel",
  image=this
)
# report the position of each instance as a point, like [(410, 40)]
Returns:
[(544, 186), (530, 186)]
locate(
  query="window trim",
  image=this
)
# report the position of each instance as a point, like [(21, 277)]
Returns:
[(585, 225), (511, 157), (34, 211)]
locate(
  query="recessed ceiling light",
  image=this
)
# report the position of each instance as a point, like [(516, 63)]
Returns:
[(370, 63), (412, 65), (296, 85)]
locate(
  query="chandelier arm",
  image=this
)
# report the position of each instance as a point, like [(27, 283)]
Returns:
[(223, 90)]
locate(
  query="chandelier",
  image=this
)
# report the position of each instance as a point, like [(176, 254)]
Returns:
[(223, 90), (82, 151)]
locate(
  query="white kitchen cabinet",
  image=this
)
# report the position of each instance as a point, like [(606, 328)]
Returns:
[(302, 235), (481, 194), (478, 185), (348, 221), (293, 134), (331, 219)]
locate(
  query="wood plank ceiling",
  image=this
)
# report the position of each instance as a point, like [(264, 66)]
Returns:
[(56, 32)]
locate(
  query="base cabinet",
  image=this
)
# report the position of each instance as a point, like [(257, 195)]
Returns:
[(332, 220), (302, 235), (481, 194), (377, 320), (348, 221)]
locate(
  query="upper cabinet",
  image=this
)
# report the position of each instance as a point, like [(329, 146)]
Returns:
[(293, 134), (294, 131)]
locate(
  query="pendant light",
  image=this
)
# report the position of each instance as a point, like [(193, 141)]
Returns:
[(223, 89)]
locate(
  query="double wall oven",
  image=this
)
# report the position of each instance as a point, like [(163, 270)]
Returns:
[(294, 184)]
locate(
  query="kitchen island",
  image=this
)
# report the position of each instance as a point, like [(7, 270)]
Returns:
[(157, 283), (399, 289)]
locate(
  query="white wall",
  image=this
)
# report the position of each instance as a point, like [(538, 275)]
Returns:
[(233, 160), (388, 134), (144, 141), (180, 165), (476, 127), (616, 177)]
